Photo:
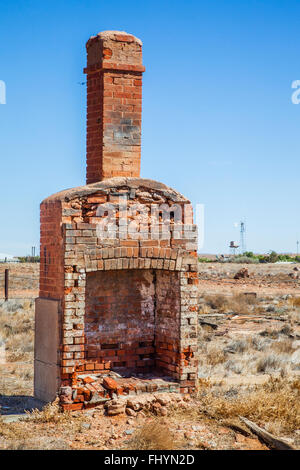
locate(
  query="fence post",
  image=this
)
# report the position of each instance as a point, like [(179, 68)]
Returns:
[(6, 281)]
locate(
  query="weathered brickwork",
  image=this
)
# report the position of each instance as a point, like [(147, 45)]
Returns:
[(120, 258), (52, 252), (114, 102)]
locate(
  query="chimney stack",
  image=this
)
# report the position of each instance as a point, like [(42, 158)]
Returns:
[(114, 105)]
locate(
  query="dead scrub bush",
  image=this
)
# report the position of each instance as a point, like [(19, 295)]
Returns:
[(259, 344), (284, 346), (269, 363), (286, 330), (203, 310), (240, 304), (294, 301), (294, 317), (237, 346), (217, 302), (233, 366), (155, 435), (203, 335), (269, 333), (16, 323), (215, 355)]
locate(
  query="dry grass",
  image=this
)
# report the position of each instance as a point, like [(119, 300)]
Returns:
[(275, 405), (17, 335), (215, 355), (284, 346), (238, 346), (294, 317), (204, 310), (51, 413), (258, 343), (16, 352), (294, 301), (269, 363), (277, 401), (155, 435), (238, 303), (270, 333), (13, 432), (22, 435), (217, 302)]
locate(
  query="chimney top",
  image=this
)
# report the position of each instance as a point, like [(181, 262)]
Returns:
[(120, 36), (114, 105)]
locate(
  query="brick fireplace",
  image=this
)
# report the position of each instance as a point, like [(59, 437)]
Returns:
[(117, 307)]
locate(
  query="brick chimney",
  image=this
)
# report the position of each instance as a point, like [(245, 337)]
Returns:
[(114, 105), (115, 315)]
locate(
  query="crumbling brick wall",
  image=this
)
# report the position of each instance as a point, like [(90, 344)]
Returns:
[(88, 258)]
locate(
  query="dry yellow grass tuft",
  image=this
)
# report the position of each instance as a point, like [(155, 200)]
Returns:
[(204, 310), (51, 413), (294, 301), (238, 303), (284, 346), (215, 355), (218, 302), (155, 435)]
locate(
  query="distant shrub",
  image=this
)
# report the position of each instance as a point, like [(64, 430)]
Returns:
[(244, 260), (28, 259)]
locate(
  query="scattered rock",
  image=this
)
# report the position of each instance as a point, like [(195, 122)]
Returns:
[(162, 399), (130, 412), (86, 425), (243, 273), (115, 407), (65, 395)]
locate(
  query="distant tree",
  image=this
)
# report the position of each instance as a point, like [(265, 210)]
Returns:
[(273, 257)]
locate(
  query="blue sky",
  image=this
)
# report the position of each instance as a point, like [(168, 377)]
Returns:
[(218, 121)]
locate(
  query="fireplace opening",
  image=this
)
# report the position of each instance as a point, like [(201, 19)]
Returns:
[(132, 322)]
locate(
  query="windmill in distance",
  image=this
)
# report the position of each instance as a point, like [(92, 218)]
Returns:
[(242, 236)]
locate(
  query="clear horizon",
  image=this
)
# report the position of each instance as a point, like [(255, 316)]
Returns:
[(219, 124)]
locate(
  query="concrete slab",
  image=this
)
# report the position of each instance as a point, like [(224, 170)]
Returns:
[(46, 371)]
